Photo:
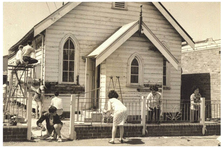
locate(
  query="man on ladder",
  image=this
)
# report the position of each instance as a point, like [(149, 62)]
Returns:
[(23, 55)]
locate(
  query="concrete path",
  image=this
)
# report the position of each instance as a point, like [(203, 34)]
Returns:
[(132, 141)]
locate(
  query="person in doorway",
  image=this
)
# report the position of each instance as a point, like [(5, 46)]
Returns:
[(119, 111), (153, 104), (195, 104), (38, 100), (27, 51), (53, 124), (57, 102)]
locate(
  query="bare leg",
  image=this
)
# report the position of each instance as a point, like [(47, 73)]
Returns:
[(121, 129), (58, 128), (40, 108), (36, 110), (114, 132)]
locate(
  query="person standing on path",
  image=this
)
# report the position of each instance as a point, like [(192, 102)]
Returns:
[(57, 102), (153, 104), (119, 111)]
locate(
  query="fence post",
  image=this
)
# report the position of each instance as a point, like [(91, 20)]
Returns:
[(202, 115), (143, 114), (29, 115), (72, 133)]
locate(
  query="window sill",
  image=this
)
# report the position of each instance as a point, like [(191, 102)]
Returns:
[(134, 86), (166, 88)]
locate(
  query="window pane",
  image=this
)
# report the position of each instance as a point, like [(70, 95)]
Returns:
[(71, 54), (71, 45), (71, 76), (65, 54), (65, 65), (135, 62), (164, 70), (134, 70), (65, 77), (66, 45), (71, 66), (164, 80), (134, 79)]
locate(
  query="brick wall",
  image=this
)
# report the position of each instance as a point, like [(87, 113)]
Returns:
[(135, 130), (105, 131), (204, 61), (14, 133)]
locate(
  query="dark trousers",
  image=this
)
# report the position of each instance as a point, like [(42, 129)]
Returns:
[(29, 60), (154, 114), (194, 116)]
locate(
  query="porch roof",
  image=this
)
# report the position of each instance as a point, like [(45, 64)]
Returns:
[(124, 33)]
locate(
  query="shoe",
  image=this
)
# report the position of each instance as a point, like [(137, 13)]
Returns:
[(121, 141), (111, 142), (59, 139)]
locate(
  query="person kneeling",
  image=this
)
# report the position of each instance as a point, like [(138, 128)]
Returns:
[(53, 123)]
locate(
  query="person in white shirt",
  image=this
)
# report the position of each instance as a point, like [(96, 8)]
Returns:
[(153, 104), (19, 56), (27, 51), (57, 102)]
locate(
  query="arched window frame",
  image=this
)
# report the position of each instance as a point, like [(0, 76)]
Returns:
[(140, 62), (76, 64)]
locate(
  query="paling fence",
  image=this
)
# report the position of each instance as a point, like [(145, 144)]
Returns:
[(15, 108), (90, 110)]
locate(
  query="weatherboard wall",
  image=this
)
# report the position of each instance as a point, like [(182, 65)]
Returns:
[(92, 23)]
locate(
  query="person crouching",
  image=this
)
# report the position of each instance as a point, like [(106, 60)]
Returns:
[(53, 123)]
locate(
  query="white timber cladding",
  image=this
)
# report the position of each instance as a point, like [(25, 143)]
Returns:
[(176, 26), (117, 64), (54, 17), (92, 23)]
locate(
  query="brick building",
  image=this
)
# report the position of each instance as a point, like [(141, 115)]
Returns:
[(202, 67)]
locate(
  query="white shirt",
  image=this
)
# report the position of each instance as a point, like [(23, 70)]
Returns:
[(19, 56), (28, 50), (57, 102), (153, 101)]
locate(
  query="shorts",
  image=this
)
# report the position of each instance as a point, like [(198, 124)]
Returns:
[(59, 112)]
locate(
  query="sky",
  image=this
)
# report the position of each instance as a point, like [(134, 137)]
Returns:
[(201, 20)]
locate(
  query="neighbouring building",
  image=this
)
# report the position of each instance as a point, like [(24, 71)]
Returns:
[(201, 66), (83, 44)]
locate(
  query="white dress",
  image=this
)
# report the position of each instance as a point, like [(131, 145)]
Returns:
[(119, 111)]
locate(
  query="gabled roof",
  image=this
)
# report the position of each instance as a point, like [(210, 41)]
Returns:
[(114, 38), (44, 24), (124, 33), (174, 23), (52, 18)]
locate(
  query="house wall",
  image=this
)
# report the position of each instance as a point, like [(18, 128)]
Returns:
[(92, 23)]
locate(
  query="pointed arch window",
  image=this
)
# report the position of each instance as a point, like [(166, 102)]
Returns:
[(68, 61), (134, 71)]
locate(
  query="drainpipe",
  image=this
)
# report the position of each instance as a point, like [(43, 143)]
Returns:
[(42, 61)]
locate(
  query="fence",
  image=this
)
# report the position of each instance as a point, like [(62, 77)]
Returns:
[(89, 110)]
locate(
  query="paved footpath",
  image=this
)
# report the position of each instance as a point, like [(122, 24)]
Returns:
[(132, 141)]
